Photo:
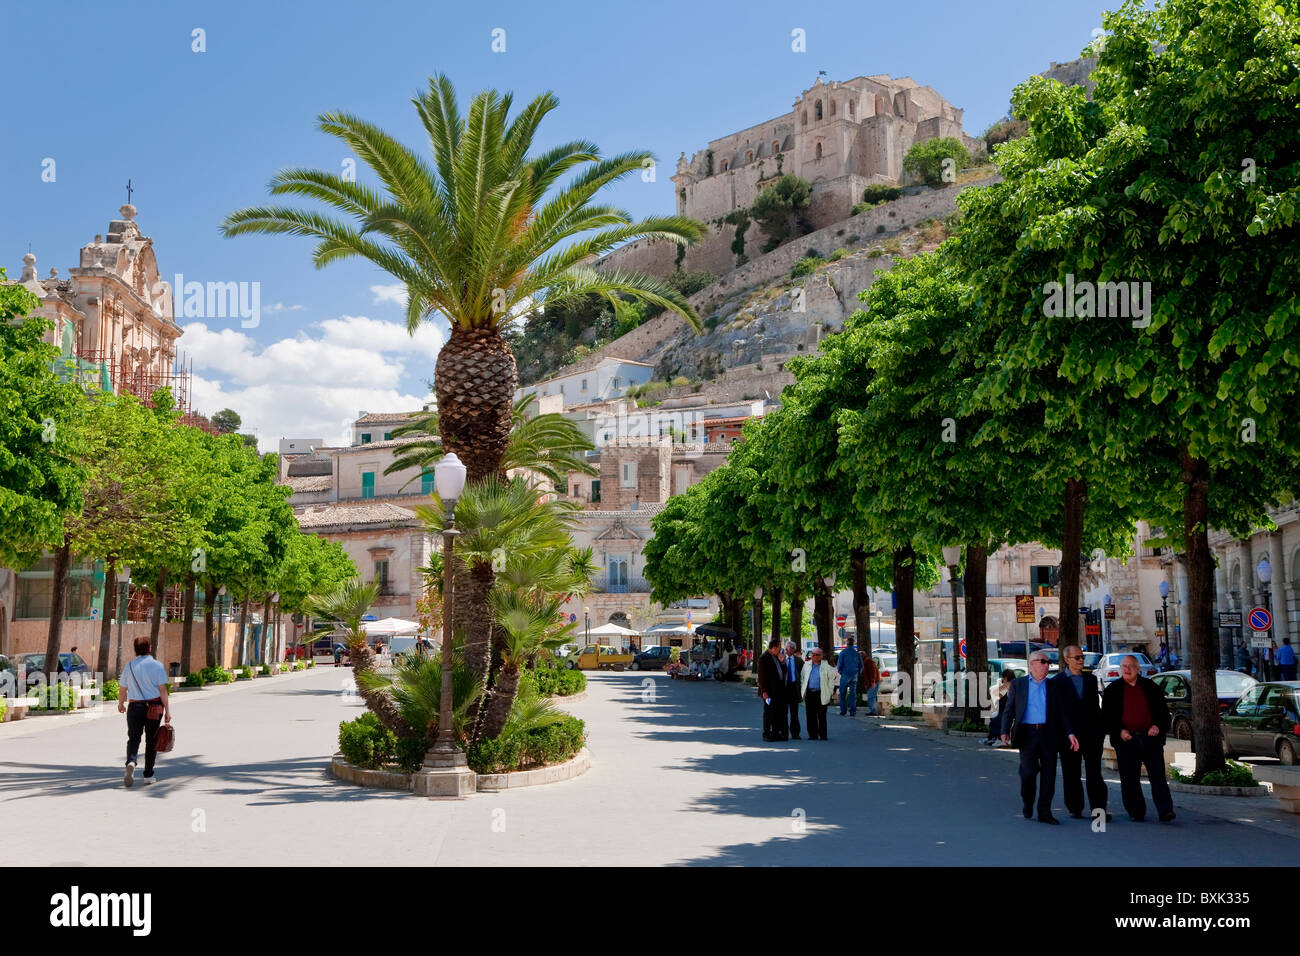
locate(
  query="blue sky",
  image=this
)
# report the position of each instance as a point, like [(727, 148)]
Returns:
[(111, 92)]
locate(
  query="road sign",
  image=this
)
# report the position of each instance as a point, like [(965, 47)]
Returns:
[(1110, 612), (1025, 609), (1260, 619), (94, 614), (961, 648), (841, 620), (1229, 619), (1260, 639), (1092, 630), (573, 618)]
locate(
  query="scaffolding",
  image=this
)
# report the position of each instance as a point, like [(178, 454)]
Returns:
[(143, 382)]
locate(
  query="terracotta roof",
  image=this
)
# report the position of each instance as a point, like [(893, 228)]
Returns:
[(388, 418), (310, 484), (645, 511), (309, 467), (391, 443), (322, 518)]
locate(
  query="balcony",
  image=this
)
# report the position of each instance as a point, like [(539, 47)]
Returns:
[(603, 584)]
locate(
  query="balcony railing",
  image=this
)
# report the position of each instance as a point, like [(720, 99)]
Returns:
[(605, 584)]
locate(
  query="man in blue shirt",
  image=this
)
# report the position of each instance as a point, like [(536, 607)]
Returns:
[(1286, 660), (849, 666), (143, 697), (1037, 719)]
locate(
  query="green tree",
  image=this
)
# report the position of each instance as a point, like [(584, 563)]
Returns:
[(780, 209), (227, 421), (936, 161)]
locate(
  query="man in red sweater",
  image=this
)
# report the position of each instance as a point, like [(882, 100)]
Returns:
[(1134, 713)]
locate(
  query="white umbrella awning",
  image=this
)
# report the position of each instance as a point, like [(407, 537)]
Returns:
[(390, 627), (613, 630), (667, 629)]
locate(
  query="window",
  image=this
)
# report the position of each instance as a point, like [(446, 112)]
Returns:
[(776, 146), (819, 151), (1042, 578), (850, 107), (381, 576), (595, 492), (832, 107), (628, 474), (36, 589), (618, 382), (365, 438), (726, 164), (749, 156), (367, 484), (388, 436), (584, 384), (577, 491), (817, 110), (426, 482)]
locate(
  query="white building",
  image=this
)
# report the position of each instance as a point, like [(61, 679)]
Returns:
[(609, 379)]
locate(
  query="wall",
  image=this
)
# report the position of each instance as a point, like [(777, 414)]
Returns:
[(29, 637)]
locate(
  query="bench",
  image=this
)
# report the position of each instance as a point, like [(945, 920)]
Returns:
[(16, 707), (1286, 783)]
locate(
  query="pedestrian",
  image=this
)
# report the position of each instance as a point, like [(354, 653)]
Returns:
[(817, 686), (871, 681), (771, 688), (1082, 705), (1243, 658), (999, 695), (1134, 713), (793, 673), (849, 667), (143, 697), (1286, 660), (1037, 723), (1270, 661), (338, 655)]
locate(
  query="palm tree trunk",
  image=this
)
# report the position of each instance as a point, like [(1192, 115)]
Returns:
[(905, 621), (187, 625), (975, 583), (1076, 499), (499, 702), (106, 619), (58, 607), (478, 620), (1206, 730), (475, 379), (209, 598)]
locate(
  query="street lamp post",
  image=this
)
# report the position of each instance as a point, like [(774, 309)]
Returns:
[(758, 623), (124, 582), (1104, 612), (952, 557), (445, 772), (1264, 571), (1164, 609), (586, 626), (274, 624)]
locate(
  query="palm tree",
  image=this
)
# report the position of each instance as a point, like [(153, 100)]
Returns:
[(549, 446), (415, 688), (475, 239)]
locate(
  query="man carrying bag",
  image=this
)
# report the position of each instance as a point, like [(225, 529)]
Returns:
[(143, 697)]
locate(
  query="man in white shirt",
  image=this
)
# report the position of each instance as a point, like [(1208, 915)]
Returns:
[(818, 686), (143, 697)]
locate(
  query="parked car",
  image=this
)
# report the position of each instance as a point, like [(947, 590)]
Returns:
[(1091, 659), (593, 657), (1177, 687), (1017, 648), (652, 659), (1108, 666), (35, 663), (888, 665), (1265, 722)]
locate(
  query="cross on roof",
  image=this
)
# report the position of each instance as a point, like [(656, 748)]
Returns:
[(128, 190)]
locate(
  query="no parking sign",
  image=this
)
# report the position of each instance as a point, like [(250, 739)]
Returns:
[(1260, 619)]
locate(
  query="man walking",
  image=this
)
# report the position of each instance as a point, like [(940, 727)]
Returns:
[(818, 686), (1082, 706), (1286, 660), (1134, 713), (1033, 707), (793, 675), (871, 681), (849, 667), (771, 688), (144, 685)]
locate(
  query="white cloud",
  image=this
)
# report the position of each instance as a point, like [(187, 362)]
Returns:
[(281, 307), (395, 293), (306, 387)]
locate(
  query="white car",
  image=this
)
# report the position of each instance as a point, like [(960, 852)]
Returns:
[(1107, 669)]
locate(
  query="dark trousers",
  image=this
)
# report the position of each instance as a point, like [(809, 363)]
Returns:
[(1073, 763), (816, 713), (792, 696), (1132, 756), (774, 718), (1037, 767), (136, 725)]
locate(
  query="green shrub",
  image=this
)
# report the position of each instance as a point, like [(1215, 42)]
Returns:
[(3, 708), (246, 673), (365, 742), (539, 747), (879, 192), (217, 675), (927, 160), (971, 727), (409, 753), (839, 254), (806, 266), (904, 711), (55, 697), (108, 691), (194, 679), (501, 755), (1236, 775)]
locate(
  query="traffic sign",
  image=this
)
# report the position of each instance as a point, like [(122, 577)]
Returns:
[(1229, 619), (94, 614), (1092, 630), (1260, 619), (1025, 609), (573, 618), (1259, 639), (841, 620), (961, 648), (1110, 612)]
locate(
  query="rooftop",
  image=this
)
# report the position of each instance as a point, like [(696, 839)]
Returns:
[(310, 484), (388, 418), (645, 511), (340, 517)]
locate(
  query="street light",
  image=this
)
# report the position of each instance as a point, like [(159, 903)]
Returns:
[(1264, 571), (124, 582), (952, 557), (757, 608), (445, 770), (586, 626), (1164, 609)]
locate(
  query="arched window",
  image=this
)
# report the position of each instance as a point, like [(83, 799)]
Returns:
[(832, 107), (726, 164), (749, 156), (817, 110), (776, 146), (819, 150), (850, 107)]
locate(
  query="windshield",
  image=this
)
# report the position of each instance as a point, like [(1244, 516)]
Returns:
[(1232, 684)]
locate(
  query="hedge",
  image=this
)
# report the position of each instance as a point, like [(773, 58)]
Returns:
[(552, 744)]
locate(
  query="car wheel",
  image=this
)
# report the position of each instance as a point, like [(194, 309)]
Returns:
[(1182, 729), (573, 665), (636, 666), (1286, 753)]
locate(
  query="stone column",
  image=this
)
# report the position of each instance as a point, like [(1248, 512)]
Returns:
[(1281, 614), (1222, 602), (1180, 613)]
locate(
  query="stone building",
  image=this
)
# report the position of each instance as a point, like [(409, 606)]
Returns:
[(839, 136)]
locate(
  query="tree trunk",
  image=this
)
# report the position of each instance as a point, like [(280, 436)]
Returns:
[(475, 379), (209, 598), (58, 607), (378, 702), (478, 617), (775, 597), (796, 618), (106, 619), (975, 584), (861, 601), (499, 702), (1076, 499), (159, 602), (905, 621), (757, 613), (1206, 731), (824, 620), (243, 630), (187, 625), (268, 652)]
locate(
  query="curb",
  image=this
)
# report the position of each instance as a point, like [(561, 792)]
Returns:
[(1176, 786), (570, 699), (392, 780)]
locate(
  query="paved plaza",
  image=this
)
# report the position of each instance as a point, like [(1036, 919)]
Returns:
[(679, 776)]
